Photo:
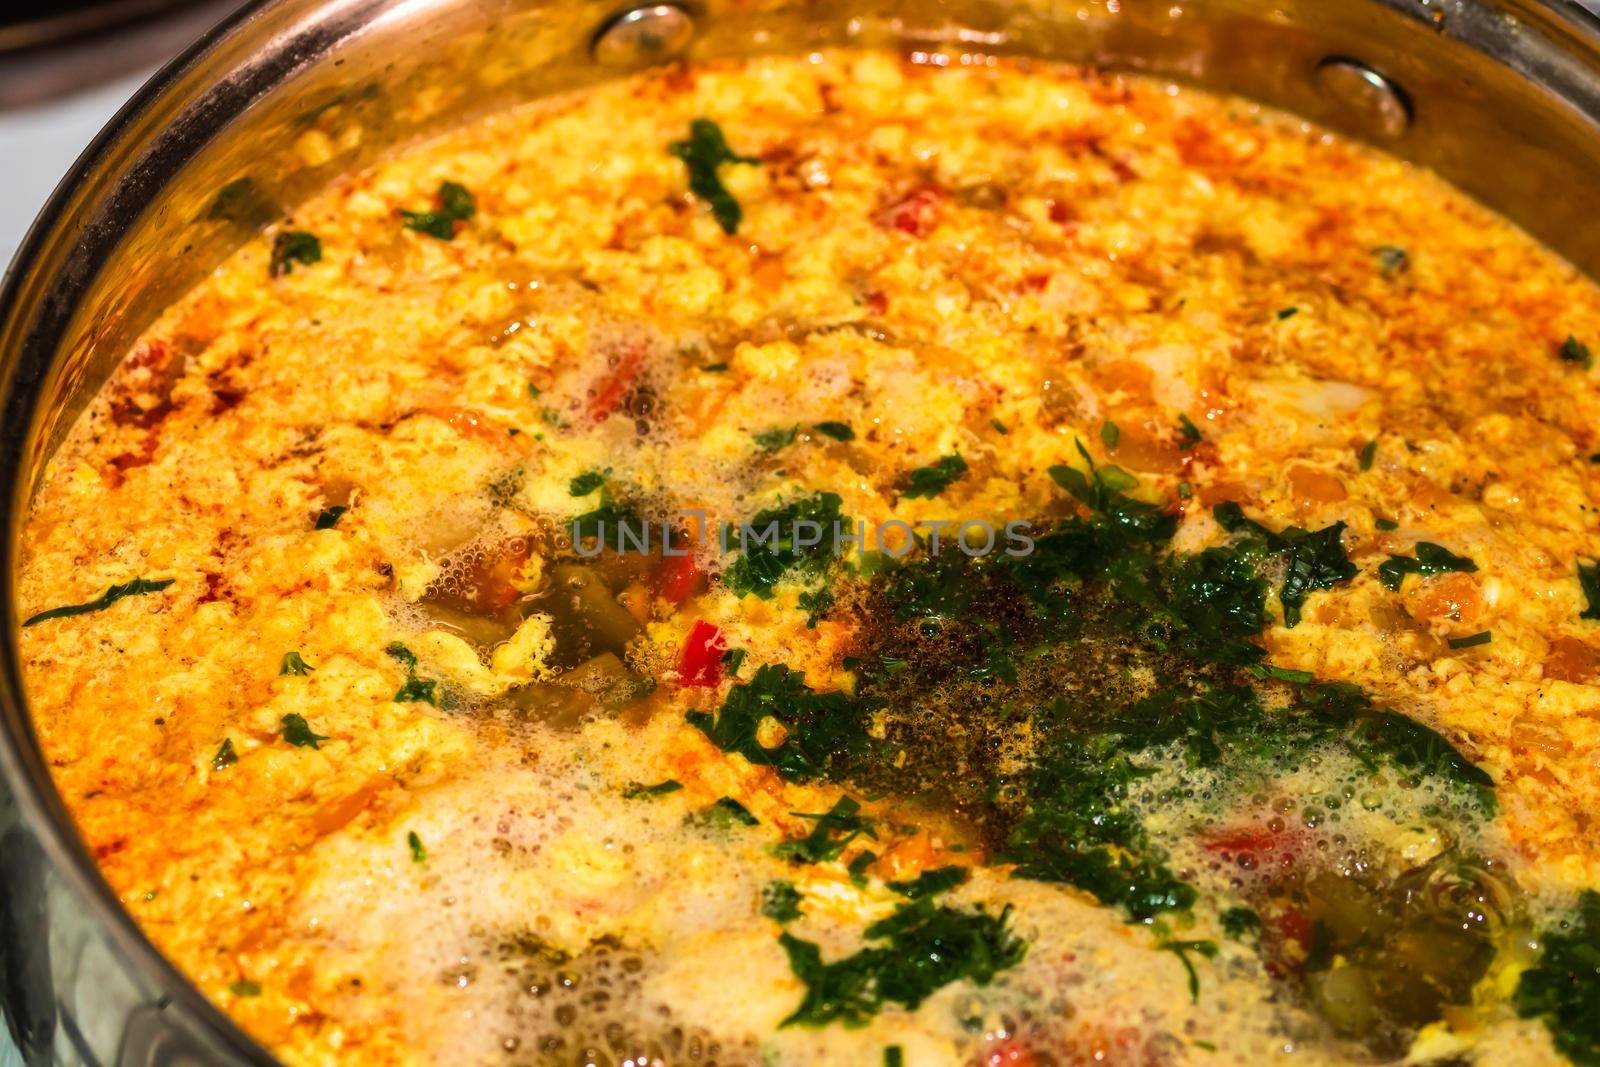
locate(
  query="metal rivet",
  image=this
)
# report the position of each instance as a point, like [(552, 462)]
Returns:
[(1367, 100), (641, 36)]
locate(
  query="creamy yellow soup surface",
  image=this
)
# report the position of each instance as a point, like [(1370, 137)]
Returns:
[(1266, 727)]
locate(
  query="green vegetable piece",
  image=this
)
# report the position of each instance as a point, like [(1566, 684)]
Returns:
[(634, 790), (930, 481), (226, 756), (1430, 559), (455, 205), (780, 901), (833, 831), (931, 882), (293, 664), (291, 247), (779, 438), (1563, 987), (839, 431), (418, 853), (298, 732), (328, 518), (705, 151), (1574, 351), (137, 587)]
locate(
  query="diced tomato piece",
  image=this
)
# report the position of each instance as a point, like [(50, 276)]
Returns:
[(701, 664), (678, 578), (1261, 844), (1287, 942), (609, 394), (914, 213)]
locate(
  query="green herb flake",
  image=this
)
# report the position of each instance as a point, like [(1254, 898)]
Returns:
[(293, 664), (832, 831), (455, 205), (839, 431), (775, 439), (780, 901), (726, 813), (1287, 313), (733, 659), (1189, 434), (401, 655), (298, 732), (1237, 922), (1281, 674), (294, 246), (931, 882), (911, 955), (244, 988), (328, 518), (226, 756), (1392, 261), (999, 427), (1483, 637), (930, 481), (1385, 524), (586, 483), (706, 150), (1430, 559), (894, 1056), (137, 587), (714, 368), (1589, 582), (857, 867), (416, 690), (636, 790), (1368, 452), (1181, 949), (773, 553), (1563, 987), (1185, 491), (418, 853), (1110, 435), (1574, 351)]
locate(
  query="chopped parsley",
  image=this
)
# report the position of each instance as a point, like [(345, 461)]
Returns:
[(418, 853), (1281, 674), (780, 901), (832, 832), (137, 587), (1110, 435), (1574, 351), (1239, 921), (401, 655), (635, 790), (1189, 434), (714, 368), (774, 550), (1563, 988), (909, 956), (775, 439), (935, 478), (1385, 524), (1313, 559), (931, 882), (226, 756), (727, 812), (1287, 313), (1392, 260), (857, 868), (1181, 949), (1368, 453), (586, 483), (294, 246), (245, 988), (1481, 638), (298, 732), (839, 431), (416, 690), (1430, 559), (328, 518), (820, 728), (612, 525), (455, 205), (1589, 582), (292, 663), (999, 427), (704, 152)]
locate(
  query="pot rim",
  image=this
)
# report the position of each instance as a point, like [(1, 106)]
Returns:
[(25, 776)]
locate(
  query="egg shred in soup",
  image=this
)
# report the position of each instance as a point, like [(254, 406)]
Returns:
[(1168, 633)]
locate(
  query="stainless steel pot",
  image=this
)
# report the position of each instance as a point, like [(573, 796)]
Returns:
[(1501, 96)]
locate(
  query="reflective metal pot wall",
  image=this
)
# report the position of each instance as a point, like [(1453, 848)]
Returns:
[(1501, 96)]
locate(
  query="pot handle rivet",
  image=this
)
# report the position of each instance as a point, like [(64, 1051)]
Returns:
[(642, 36), (1367, 100)]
